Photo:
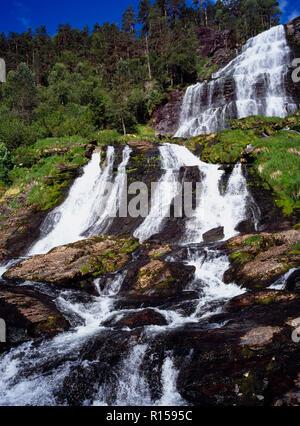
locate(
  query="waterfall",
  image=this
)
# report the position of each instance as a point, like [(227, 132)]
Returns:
[(256, 77), (216, 209), (113, 200), (173, 157), (22, 371), (89, 207), (210, 267)]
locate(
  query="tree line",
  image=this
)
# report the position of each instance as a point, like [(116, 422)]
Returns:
[(80, 81)]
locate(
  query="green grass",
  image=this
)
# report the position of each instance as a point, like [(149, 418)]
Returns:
[(241, 257), (252, 241), (267, 125), (145, 132), (47, 173), (278, 163), (112, 137), (230, 145), (295, 249), (204, 72)]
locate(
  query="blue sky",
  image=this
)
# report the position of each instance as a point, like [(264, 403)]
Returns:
[(19, 15)]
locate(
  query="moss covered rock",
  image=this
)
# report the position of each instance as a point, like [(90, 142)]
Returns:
[(157, 277), (258, 260), (76, 265)]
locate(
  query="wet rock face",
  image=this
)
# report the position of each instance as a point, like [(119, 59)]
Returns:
[(78, 264), (293, 37), (212, 41), (214, 235), (271, 216), (144, 166), (28, 315), (259, 259), (157, 277), (293, 282), (166, 117), (138, 319), (19, 232), (252, 360)]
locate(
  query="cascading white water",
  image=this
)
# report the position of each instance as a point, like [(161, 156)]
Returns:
[(34, 372), (68, 221), (257, 76), (113, 201), (22, 381), (217, 209), (89, 207), (173, 157), (214, 209), (210, 268)]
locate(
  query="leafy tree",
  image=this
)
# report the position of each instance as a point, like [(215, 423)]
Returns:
[(22, 91)]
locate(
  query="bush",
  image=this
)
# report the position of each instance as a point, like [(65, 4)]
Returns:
[(5, 162)]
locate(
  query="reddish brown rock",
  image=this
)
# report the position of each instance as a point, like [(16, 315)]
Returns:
[(139, 319), (141, 146), (259, 259), (76, 265), (166, 117), (158, 278), (27, 315), (262, 297)]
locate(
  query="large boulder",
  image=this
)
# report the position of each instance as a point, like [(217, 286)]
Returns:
[(214, 235), (157, 277), (257, 260), (28, 315), (77, 264), (247, 358), (137, 319)]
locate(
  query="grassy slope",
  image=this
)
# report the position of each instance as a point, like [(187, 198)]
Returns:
[(41, 171)]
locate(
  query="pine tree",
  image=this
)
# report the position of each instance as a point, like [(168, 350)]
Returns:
[(128, 21)]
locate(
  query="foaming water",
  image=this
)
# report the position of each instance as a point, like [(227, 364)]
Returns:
[(34, 373), (90, 206), (281, 282), (173, 157), (113, 202), (67, 223), (257, 77), (216, 209), (210, 268)]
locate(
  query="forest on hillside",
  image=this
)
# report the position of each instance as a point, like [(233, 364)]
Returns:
[(80, 82)]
